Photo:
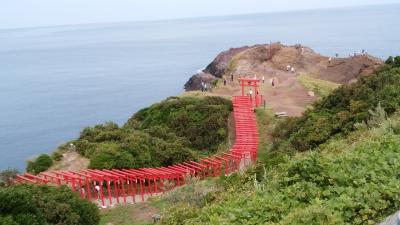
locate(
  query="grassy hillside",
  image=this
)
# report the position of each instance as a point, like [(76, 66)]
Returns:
[(338, 113), (338, 164)]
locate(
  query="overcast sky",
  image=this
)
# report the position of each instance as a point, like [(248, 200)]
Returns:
[(30, 13)]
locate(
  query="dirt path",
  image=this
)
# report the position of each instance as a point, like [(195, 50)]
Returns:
[(288, 95), (72, 161)]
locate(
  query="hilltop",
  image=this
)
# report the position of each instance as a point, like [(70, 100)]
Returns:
[(291, 94)]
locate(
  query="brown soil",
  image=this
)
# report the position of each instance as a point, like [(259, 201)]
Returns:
[(144, 212)]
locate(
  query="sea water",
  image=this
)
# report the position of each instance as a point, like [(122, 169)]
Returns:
[(57, 80)]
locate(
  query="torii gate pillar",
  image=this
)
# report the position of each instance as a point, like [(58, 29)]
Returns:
[(251, 82)]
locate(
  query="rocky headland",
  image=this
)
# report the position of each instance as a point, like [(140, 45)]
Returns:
[(287, 65)]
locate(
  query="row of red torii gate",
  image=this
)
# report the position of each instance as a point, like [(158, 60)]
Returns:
[(116, 186)]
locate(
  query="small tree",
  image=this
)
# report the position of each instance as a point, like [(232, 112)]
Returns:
[(389, 60), (396, 61)]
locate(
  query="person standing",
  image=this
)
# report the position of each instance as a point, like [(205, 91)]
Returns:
[(232, 77), (263, 78), (250, 92), (273, 82), (224, 82), (97, 188), (205, 87)]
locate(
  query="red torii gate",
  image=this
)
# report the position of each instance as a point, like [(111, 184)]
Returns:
[(252, 82), (114, 184)]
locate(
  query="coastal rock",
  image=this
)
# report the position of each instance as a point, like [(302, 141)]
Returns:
[(269, 59), (194, 83), (220, 64)]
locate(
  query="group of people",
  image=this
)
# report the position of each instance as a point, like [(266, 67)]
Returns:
[(354, 54), (204, 87), (290, 68), (226, 81)]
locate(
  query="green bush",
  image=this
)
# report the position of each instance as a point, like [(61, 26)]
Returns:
[(33, 204), (173, 131), (393, 61), (40, 164), (201, 121), (108, 156)]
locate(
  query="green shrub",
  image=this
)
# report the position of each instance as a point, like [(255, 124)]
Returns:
[(393, 61), (8, 220), (108, 156), (202, 121), (179, 213), (169, 132), (33, 204), (40, 164), (56, 156)]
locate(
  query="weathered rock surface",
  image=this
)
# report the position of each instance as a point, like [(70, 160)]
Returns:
[(194, 83)]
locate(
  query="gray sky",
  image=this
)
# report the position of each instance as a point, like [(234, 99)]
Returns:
[(29, 13)]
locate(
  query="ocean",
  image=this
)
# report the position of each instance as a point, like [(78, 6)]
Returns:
[(57, 80)]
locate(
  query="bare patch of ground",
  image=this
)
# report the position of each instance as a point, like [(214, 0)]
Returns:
[(140, 213), (72, 161)]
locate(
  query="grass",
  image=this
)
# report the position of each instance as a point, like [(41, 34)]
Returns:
[(268, 158), (233, 63), (321, 88), (137, 214)]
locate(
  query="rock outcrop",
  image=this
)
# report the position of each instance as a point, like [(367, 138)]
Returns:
[(273, 58), (284, 65)]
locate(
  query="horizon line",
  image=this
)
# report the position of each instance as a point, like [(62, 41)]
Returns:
[(192, 18)]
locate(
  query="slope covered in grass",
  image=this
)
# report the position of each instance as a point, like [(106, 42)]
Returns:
[(346, 171)]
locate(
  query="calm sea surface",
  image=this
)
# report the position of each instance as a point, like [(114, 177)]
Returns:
[(57, 80)]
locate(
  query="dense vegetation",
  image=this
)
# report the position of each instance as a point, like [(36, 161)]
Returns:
[(39, 164), (349, 177), (37, 205), (346, 182), (338, 113), (172, 131)]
